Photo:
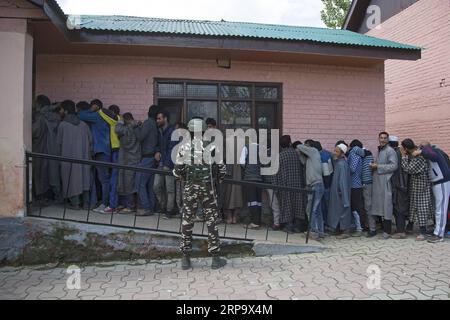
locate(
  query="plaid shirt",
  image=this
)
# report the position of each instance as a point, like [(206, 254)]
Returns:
[(355, 164), (420, 189)]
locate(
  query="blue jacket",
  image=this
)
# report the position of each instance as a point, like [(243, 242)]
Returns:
[(100, 131), (166, 146), (439, 169), (327, 167)]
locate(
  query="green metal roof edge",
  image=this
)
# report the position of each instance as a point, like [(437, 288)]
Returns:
[(359, 39)]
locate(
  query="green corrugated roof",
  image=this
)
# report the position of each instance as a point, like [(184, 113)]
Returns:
[(233, 29)]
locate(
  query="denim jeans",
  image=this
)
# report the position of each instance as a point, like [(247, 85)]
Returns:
[(104, 177), (113, 195), (145, 183), (93, 190), (316, 208), (325, 204), (164, 189)]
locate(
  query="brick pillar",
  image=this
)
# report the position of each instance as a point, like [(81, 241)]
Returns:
[(16, 58)]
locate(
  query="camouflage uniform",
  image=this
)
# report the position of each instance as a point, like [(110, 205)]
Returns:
[(198, 187)]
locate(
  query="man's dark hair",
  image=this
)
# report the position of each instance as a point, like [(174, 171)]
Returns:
[(393, 144), (211, 121), (83, 105), (153, 111), (296, 144), (317, 145), (408, 144), (383, 132), (181, 125), (97, 102), (165, 114), (356, 143), (128, 116), (42, 101), (197, 117), (114, 108), (309, 142), (341, 142), (68, 106), (285, 141)]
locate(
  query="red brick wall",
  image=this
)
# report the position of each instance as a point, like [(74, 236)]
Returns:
[(326, 103), (416, 105)]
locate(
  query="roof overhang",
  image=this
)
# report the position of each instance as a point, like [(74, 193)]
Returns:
[(355, 16), (59, 19)]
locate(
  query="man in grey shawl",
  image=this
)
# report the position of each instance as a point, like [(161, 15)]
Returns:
[(130, 155), (291, 174), (52, 115), (74, 140), (40, 133), (339, 211), (383, 170)]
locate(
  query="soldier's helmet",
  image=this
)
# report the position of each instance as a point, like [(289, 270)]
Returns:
[(197, 125)]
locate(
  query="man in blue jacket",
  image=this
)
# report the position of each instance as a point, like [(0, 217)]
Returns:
[(440, 178), (102, 147), (164, 187)]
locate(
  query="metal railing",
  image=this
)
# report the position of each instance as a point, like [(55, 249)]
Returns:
[(29, 156)]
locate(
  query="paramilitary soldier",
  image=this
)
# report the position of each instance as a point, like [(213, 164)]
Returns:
[(199, 173)]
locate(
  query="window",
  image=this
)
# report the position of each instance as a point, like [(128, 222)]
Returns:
[(236, 92), (232, 104), (202, 91), (204, 109), (170, 90), (236, 114)]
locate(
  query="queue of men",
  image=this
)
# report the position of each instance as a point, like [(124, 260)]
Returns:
[(88, 131), (354, 192), (405, 182)]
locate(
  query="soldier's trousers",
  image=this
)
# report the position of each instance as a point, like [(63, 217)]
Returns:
[(192, 195)]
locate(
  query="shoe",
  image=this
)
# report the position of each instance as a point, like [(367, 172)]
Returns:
[(199, 219), (218, 262), (275, 227), (145, 213), (344, 235), (357, 234), (324, 235), (252, 226), (120, 208), (88, 207), (127, 211), (289, 229), (435, 239), (100, 208), (166, 216), (314, 236), (109, 210), (386, 236), (371, 234), (399, 236), (72, 207), (421, 237), (186, 262)]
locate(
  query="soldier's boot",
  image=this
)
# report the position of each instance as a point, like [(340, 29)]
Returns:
[(186, 262), (217, 262)]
